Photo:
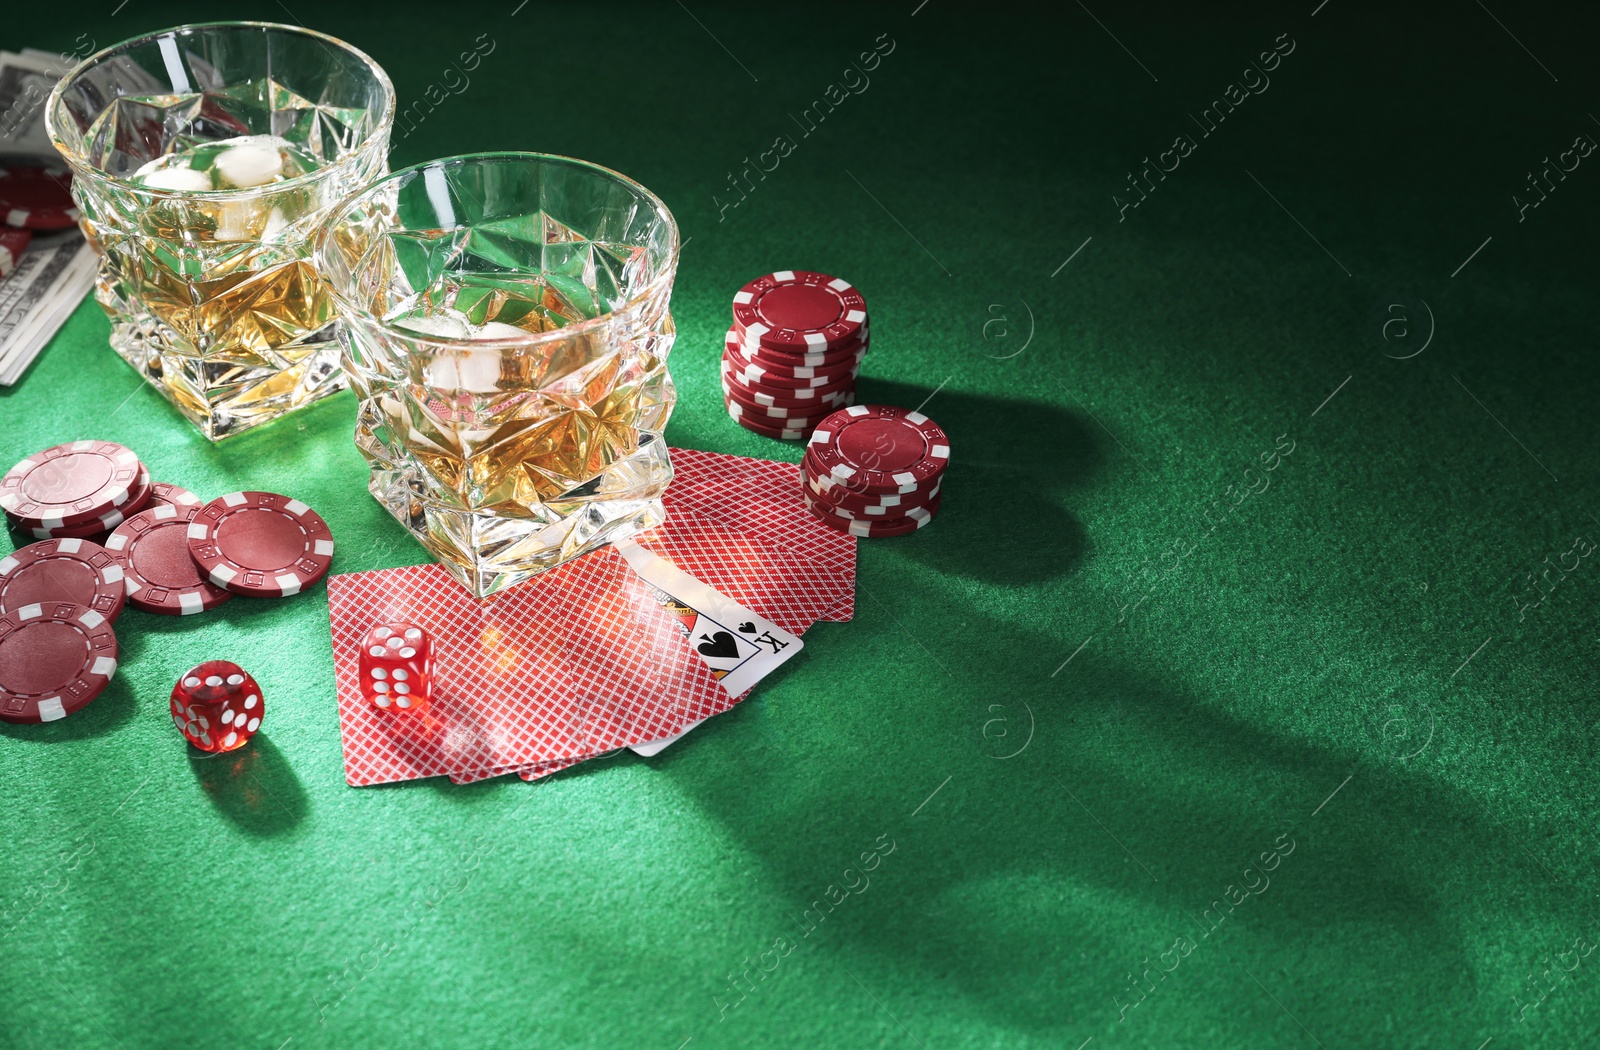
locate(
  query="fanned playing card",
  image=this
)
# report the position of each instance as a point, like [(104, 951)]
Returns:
[(538, 674), (587, 658)]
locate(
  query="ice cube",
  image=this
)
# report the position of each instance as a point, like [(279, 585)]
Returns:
[(249, 164), (499, 330), (181, 180), (442, 326)]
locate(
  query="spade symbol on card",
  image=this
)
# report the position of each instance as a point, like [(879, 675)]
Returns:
[(747, 627), (719, 646)]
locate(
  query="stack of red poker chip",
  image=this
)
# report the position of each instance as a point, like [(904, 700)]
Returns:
[(80, 490), (875, 470), (36, 198), (12, 244), (793, 353)]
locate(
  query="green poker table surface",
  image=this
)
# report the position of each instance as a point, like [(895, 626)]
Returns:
[(1242, 694)]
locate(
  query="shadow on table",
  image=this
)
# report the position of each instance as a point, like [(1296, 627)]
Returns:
[(253, 787), (1016, 880), (1003, 518)]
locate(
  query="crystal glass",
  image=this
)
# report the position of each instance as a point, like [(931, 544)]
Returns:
[(205, 159), (506, 329)]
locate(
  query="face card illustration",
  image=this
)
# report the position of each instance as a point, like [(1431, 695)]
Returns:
[(739, 646)]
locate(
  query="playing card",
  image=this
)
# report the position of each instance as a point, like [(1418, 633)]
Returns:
[(761, 499), (567, 666), (741, 647)]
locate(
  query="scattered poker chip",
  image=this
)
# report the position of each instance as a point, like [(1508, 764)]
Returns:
[(37, 198), (70, 484), (62, 570), (879, 448), (914, 519), (261, 544), (54, 660), (165, 494), (13, 243), (799, 310), (94, 528), (152, 547)]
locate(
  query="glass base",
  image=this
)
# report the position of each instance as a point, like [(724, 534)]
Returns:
[(488, 553), (224, 398)]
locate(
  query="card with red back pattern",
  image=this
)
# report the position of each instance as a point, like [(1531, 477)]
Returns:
[(761, 498), (583, 661), (777, 584), (560, 669)]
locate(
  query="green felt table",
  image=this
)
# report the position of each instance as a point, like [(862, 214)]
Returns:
[(1217, 708)]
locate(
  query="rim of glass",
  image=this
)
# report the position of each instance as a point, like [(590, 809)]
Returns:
[(360, 314), (309, 178)]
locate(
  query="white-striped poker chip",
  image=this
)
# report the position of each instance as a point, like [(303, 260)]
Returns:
[(161, 577), (12, 244), (879, 448), (800, 311), (261, 544), (55, 659), (70, 484)]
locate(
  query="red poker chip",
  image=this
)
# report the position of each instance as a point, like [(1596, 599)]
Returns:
[(879, 448), (37, 199), (161, 577), (12, 244), (789, 396), (261, 544), (832, 362), (868, 506), (822, 355), (755, 420), (166, 494), (810, 411), (70, 484), (95, 528), (914, 519), (62, 570), (799, 310), (54, 660), (818, 475), (773, 378), (779, 433)]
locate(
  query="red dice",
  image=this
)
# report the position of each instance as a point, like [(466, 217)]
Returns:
[(217, 706), (396, 666)]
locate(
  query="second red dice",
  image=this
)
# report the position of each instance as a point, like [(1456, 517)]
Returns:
[(396, 666), (217, 706)]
